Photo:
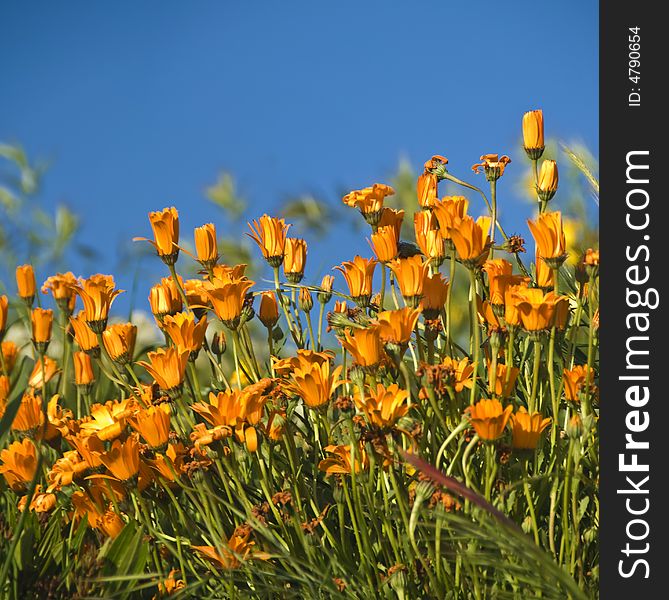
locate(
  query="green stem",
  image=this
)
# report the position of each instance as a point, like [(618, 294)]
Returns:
[(476, 337)]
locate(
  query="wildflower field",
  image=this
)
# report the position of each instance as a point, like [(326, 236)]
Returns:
[(421, 423)]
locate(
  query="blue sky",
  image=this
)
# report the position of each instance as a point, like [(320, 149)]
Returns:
[(139, 105)]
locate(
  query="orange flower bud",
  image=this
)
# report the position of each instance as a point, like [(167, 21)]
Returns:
[(165, 225), (42, 320), (548, 180), (295, 259), (533, 133), (83, 369), (206, 246), (25, 283)]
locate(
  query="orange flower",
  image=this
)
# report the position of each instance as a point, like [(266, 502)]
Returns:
[(29, 414), (295, 259), (61, 286), (537, 310), (533, 133), (83, 335), (325, 294), (471, 240), (426, 189), (304, 359), (206, 247), (165, 225), (487, 315), (65, 470), (365, 346), (435, 292), (489, 419), (462, 371), (106, 421), (392, 218), (19, 464), (493, 166), (548, 180), (574, 380), (384, 243), (83, 369), (165, 299), (168, 367), (549, 237), (153, 424), (25, 283), (4, 310), (119, 340), (500, 277), (185, 333), (384, 406), (227, 298), (448, 211), (10, 352), (169, 586), (503, 388), (305, 301), (429, 237), (4, 393), (270, 235), (369, 201), (41, 503), (341, 462), (315, 384), (50, 369), (231, 555), (97, 294), (526, 429), (359, 274), (543, 274), (122, 459), (42, 320), (269, 309), (410, 274), (396, 326)]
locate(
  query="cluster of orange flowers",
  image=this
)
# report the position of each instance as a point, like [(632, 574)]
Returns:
[(150, 436)]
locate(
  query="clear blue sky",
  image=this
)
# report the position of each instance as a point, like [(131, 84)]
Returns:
[(140, 104)]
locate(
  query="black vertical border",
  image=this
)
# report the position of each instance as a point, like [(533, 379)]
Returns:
[(625, 128)]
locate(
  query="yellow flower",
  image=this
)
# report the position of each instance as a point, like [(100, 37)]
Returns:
[(168, 367), (97, 294), (295, 259), (384, 243), (493, 166), (153, 424), (359, 274), (206, 247), (526, 429), (341, 461), (270, 235), (429, 237), (165, 225), (410, 274), (19, 464), (119, 340), (42, 320), (106, 422), (549, 237), (489, 419), (269, 309), (122, 459), (548, 180), (384, 406), (83, 369), (365, 346), (315, 384), (369, 201), (227, 298), (25, 283), (533, 133), (185, 333), (471, 240), (396, 326)]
